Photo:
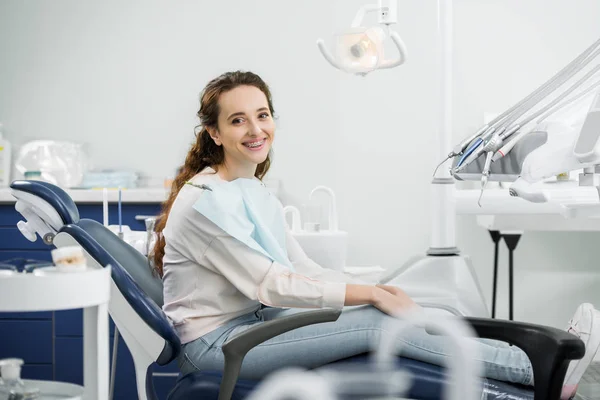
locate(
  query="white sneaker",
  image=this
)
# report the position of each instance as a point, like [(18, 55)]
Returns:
[(585, 324)]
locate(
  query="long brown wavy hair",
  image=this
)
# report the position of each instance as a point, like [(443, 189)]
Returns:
[(204, 152)]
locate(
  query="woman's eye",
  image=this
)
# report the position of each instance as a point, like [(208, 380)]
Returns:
[(236, 121), (264, 115)]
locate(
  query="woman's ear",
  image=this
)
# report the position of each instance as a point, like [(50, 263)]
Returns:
[(214, 134)]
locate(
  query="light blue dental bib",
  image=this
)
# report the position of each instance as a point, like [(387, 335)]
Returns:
[(246, 210)]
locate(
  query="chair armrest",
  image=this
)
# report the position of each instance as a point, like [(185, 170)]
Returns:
[(235, 348), (549, 350)]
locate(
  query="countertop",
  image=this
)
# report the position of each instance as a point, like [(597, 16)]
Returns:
[(137, 195)]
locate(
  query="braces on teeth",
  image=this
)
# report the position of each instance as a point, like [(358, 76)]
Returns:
[(255, 144)]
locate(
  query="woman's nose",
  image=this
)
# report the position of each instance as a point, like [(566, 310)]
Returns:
[(255, 128)]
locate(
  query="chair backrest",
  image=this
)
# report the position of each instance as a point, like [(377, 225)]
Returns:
[(107, 249), (134, 262)]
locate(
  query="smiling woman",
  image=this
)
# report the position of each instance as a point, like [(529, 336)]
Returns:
[(223, 251), (236, 110)]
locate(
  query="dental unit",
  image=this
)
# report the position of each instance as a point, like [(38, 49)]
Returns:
[(498, 138)]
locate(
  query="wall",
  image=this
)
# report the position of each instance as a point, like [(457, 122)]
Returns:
[(124, 78)]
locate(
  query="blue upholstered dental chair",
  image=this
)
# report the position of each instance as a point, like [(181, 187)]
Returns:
[(136, 300)]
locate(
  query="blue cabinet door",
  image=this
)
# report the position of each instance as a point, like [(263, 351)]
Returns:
[(12, 239), (29, 255), (8, 215), (29, 340), (68, 359), (69, 323), (42, 372)]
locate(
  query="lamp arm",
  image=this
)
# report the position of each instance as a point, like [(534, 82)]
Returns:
[(326, 54), (360, 14), (401, 49)]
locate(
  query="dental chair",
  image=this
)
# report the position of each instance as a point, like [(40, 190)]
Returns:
[(136, 300)]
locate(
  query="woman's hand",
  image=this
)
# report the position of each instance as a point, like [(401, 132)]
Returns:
[(388, 299), (392, 300), (395, 290)]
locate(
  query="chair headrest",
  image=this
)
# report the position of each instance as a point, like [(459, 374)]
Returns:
[(143, 305), (53, 195)]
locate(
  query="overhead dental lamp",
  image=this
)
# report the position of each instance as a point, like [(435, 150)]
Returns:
[(443, 279), (360, 50)]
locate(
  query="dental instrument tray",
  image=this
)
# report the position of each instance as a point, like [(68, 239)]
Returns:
[(53, 291)]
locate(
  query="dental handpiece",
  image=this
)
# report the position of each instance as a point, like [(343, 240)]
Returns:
[(468, 154), (461, 147), (485, 175), (510, 132), (504, 150), (475, 151), (490, 147)]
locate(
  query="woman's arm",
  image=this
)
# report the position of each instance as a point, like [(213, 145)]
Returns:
[(273, 284)]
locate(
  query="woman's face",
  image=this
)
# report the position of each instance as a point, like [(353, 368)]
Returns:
[(245, 127)]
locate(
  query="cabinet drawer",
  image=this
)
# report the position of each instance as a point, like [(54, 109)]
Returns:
[(35, 316), (29, 340), (12, 239), (69, 323), (42, 372), (38, 255), (8, 215)]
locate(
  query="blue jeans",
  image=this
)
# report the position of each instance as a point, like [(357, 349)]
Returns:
[(356, 331)]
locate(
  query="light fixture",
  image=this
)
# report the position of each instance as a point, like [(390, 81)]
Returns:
[(360, 50)]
